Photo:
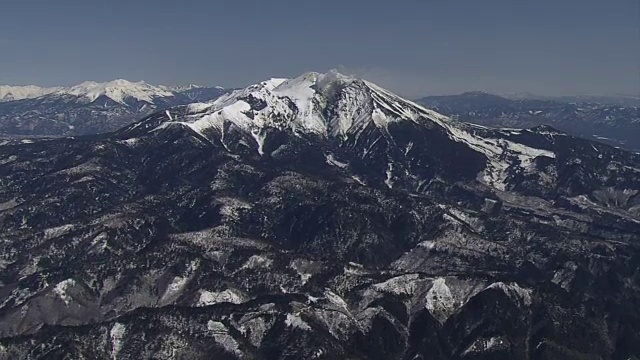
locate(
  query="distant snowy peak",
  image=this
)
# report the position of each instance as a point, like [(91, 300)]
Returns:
[(10, 93), (117, 90)]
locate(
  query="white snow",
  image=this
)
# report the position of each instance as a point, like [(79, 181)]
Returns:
[(331, 160), (175, 287), (117, 335), (197, 108), (483, 345), (255, 328), (379, 118), (495, 150), (257, 261), (8, 93), (389, 180), (440, 301), (227, 296), (259, 136), (51, 233), (221, 336), (117, 90), (427, 244), (408, 148), (300, 105), (300, 90), (62, 289), (130, 142), (401, 285), (336, 299), (515, 292), (232, 207), (296, 321)]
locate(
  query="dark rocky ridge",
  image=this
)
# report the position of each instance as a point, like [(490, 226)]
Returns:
[(166, 240)]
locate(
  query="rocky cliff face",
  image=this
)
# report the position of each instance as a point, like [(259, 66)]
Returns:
[(320, 217)]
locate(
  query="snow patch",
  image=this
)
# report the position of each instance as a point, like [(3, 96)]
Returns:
[(501, 154), (401, 285), (117, 335), (482, 345), (515, 292), (335, 299), (62, 290), (227, 296), (389, 180), (332, 161), (296, 322), (174, 289), (440, 300), (221, 336), (55, 232), (257, 261)]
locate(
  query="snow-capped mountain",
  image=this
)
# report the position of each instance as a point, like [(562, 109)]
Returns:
[(594, 118), (334, 107), (320, 217), (118, 90), (11, 93), (90, 107)]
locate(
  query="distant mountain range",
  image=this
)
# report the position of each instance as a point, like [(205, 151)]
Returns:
[(90, 107), (595, 118), (621, 100)]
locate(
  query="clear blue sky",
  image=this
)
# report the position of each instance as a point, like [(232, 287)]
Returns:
[(416, 47)]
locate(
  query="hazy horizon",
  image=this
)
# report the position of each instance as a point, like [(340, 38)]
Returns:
[(589, 47)]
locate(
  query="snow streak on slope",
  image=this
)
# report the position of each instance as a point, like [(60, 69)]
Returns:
[(498, 151)]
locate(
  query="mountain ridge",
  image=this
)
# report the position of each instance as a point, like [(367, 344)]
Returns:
[(92, 107), (616, 125), (89, 89), (320, 217)]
